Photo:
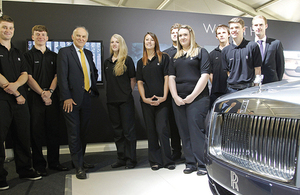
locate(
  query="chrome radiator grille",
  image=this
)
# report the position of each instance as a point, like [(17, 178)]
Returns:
[(265, 145)]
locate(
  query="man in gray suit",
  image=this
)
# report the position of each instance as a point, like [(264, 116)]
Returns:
[(271, 50), (77, 74)]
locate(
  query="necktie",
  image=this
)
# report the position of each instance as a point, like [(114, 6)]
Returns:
[(227, 110), (85, 72), (261, 47)]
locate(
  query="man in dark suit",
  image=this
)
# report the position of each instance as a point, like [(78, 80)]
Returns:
[(77, 74), (271, 50)]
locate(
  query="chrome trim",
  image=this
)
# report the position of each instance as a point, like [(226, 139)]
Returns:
[(264, 145)]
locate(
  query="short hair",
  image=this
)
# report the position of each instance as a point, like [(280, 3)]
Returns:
[(222, 26), (87, 32), (39, 28), (6, 18), (260, 17), (237, 20), (175, 26)]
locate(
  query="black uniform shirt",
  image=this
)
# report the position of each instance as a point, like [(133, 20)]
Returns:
[(153, 75), (12, 64), (188, 71), (240, 61), (219, 83), (42, 67), (118, 88), (171, 51)]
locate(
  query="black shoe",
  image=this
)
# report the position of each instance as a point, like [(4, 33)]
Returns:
[(4, 185), (130, 165), (171, 167), (87, 165), (155, 167), (117, 164), (189, 170), (41, 171), (80, 173), (30, 175), (59, 167), (201, 171)]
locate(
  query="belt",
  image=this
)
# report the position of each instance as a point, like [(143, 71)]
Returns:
[(241, 86)]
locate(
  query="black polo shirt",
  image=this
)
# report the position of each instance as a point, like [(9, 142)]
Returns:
[(240, 61), (171, 51), (188, 71), (42, 66), (12, 64), (219, 82), (153, 75), (118, 88)]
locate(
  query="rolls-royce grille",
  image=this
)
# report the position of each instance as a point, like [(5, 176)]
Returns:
[(265, 145)]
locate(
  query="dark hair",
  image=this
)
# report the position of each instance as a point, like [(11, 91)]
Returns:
[(6, 18), (39, 28), (222, 26), (156, 49)]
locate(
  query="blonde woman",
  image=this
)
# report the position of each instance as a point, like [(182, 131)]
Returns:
[(119, 73), (152, 80), (188, 75)]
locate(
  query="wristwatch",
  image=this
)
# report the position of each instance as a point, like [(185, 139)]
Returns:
[(51, 90)]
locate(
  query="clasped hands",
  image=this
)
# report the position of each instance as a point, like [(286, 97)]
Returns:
[(154, 100), (187, 100), (12, 88), (46, 96)]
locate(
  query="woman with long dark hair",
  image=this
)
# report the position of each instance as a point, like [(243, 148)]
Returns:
[(152, 80)]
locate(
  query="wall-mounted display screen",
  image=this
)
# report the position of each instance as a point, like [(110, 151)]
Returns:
[(94, 46)]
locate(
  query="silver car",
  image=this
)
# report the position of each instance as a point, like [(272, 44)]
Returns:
[(253, 141)]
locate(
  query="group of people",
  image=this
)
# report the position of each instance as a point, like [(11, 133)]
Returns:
[(244, 63), (184, 69), (30, 101), (173, 88)]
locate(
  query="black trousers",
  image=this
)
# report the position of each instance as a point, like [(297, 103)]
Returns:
[(17, 116), (156, 121), (174, 134), (122, 119), (77, 123), (190, 120), (44, 121)]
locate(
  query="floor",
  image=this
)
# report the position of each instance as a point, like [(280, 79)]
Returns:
[(140, 181), (103, 180)]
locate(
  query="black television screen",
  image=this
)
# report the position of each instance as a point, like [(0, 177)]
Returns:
[(94, 46)]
